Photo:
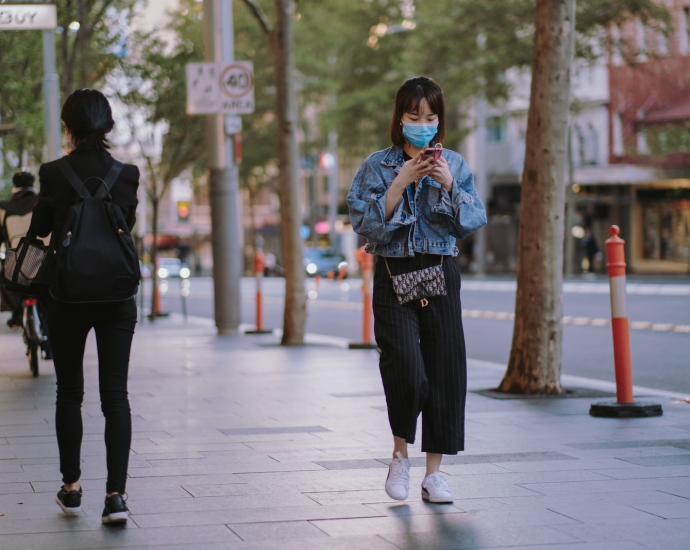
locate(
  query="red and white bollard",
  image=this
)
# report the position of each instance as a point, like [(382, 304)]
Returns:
[(366, 262), (625, 405), (259, 262)]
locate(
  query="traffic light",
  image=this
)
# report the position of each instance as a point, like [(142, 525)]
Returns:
[(183, 211)]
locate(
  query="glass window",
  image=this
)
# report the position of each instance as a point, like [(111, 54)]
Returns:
[(667, 231), (496, 129)]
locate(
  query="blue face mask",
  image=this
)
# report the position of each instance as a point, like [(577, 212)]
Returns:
[(419, 134)]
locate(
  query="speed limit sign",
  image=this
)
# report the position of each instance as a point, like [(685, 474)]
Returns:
[(220, 88), (237, 88)]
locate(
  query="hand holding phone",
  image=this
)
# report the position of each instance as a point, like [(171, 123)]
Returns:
[(432, 152)]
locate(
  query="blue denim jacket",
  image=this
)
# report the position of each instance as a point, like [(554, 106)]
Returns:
[(427, 221)]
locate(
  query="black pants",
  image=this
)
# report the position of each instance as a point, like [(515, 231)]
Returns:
[(69, 326), (423, 363)]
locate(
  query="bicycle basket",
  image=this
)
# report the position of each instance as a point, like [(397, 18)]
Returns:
[(22, 264)]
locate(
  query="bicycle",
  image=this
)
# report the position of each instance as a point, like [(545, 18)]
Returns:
[(31, 333)]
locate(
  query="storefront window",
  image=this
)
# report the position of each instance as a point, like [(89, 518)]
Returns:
[(667, 231)]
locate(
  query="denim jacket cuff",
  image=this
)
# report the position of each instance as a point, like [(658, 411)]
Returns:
[(398, 218), (459, 196)]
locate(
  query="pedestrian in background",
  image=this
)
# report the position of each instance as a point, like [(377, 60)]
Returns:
[(87, 118), (411, 201), (589, 243), (15, 219)]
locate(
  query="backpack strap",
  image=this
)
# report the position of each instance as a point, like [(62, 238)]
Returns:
[(110, 179), (72, 177), (113, 174)]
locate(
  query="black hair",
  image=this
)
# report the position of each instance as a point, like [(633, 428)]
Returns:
[(410, 93), (88, 117), (23, 178)]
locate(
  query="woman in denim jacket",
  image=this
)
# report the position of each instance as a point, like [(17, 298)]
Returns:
[(411, 208)]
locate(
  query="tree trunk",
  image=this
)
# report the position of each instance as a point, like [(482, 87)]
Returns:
[(295, 313), (535, 357), (154, 260)]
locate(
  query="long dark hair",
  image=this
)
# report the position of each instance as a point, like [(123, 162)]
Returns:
[(88, 116), (406, 100)]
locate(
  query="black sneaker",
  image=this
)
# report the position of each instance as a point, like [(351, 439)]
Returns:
[(115, 510), (69, 501)]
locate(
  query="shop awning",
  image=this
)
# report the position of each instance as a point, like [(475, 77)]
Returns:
[(676, 112)]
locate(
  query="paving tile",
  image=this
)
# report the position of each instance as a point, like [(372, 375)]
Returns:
[(681, 443), (159, 506), (255, 515), (15, 488), (446, 537), (658, 461), (675, 510), (276, 430), (350, 464), (656, 530), (118, 538), (604, 513), (326, 543), (277, 530)]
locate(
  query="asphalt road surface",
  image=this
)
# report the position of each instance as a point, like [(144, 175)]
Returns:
[(661, 313)]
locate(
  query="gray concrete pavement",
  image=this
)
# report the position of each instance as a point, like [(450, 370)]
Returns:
[(239, 443)]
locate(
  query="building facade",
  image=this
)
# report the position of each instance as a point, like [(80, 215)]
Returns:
[(625, 107)]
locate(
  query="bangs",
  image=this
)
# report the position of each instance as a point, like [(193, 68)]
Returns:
[(416, 96), (407, 100)]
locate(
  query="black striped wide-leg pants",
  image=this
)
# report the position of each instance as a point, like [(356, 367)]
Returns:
[(423, 363)]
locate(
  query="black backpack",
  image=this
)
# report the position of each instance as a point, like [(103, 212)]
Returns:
[(98, 261)]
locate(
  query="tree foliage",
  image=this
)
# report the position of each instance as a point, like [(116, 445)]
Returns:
[(89, 40)]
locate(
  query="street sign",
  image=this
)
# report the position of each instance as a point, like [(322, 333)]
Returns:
[(220, 88), (233, 125), (18, 17)]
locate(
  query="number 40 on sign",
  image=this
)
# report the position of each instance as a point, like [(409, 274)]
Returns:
[(220, 88)]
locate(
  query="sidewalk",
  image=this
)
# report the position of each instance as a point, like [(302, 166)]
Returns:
[(242, 444)]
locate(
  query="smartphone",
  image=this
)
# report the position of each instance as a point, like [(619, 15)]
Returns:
[(434, 152)]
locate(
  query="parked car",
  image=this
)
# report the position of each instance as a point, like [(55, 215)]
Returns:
[(321, 261), (172, 267)]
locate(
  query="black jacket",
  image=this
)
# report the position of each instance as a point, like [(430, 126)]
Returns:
[(57, 196), (21, 204)]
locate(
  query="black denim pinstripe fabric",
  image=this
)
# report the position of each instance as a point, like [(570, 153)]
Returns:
[(423, 362)]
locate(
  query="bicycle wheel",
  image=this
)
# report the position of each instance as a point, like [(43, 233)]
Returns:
[(33, 354), (32, 339)]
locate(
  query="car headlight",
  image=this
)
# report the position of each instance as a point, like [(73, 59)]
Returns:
[(163, 273), (342, 265), (311, 269), (185, 273)]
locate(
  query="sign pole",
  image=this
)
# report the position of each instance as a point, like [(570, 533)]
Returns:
[(51, 96), (225, 198), (26, 17)]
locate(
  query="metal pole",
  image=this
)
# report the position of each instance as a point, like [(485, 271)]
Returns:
[(333, 191), (51, 96), (569, 264), (480, 182), (226, 205)]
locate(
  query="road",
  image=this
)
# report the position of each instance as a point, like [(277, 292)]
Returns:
[(660, 350)]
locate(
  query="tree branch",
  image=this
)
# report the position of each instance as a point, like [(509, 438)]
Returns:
[(260, 15)]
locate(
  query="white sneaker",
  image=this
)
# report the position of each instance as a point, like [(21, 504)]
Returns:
[(398, 480), (435, 489)]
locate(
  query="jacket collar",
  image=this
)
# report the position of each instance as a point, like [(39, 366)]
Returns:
[(394, 158), (84, 146)]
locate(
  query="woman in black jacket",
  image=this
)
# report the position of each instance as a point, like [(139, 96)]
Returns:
[(87, 119)]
